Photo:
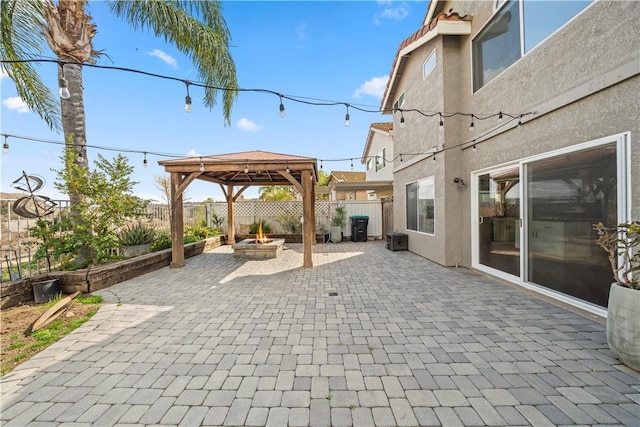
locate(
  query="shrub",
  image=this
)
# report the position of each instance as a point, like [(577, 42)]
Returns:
[(290, 223), (339, 217), (163, 241), (138, 234), (201, 232), (253, 228)]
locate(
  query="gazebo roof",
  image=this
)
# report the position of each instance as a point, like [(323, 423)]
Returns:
[(246, 168)]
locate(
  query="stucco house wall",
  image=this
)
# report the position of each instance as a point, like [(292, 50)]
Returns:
[(581, 84), (380, 140)]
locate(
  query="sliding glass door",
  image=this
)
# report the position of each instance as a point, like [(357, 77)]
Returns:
[(499, 219), (535, 218), (565, 196)]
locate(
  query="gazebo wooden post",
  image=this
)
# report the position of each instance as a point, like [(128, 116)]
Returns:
[(177, 225), (308, 219), (312, 188), (231, 237)]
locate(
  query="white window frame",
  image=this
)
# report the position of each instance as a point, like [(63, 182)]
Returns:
[(498, 5), (425, 72), (418, 181), (623, 147), (382, 162), (399, 103)]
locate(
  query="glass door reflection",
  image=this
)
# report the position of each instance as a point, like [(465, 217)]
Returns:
[(499, 210)]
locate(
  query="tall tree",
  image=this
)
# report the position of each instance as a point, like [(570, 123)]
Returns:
[(277, 193), (196, 28)]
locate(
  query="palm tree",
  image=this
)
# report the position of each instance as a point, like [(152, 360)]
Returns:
[(197, 28), (277, 193)]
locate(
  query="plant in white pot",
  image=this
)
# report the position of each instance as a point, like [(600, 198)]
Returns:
[(623, 313), (338, 222)]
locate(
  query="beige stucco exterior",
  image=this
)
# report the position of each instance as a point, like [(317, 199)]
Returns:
[(580, 84)]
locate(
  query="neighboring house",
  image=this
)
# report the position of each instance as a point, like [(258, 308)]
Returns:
[(347, 185), (518, 201), (378, 159)]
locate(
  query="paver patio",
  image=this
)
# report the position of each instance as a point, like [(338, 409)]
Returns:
[(366, 337)]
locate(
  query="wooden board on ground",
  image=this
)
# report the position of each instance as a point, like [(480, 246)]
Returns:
[(53, 313)]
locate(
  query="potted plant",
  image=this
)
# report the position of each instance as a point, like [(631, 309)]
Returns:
[(623, 313), (136, 239), (338, 222)]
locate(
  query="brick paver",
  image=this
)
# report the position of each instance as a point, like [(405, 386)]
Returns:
[(225, 341)]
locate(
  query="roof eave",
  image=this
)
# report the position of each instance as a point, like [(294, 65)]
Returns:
[(442, 28)]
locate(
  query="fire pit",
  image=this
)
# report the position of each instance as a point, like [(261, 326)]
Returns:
[(259, 248), (250, 249)]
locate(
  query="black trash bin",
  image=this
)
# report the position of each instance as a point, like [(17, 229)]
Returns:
[(359, 224), (397, 241)]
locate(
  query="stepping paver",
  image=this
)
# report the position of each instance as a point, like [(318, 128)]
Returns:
[(225, 341)]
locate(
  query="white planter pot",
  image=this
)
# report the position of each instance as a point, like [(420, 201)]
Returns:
[(336, 234), (131, 251), (623, 325)]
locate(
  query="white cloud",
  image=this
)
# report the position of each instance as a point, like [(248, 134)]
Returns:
[(192, 153), (391, 11), (3, 74), (16, 104), (374, 87), (248, 125), (301, 31), (165, 57)]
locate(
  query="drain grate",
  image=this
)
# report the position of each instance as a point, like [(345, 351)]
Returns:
[(333, 294)]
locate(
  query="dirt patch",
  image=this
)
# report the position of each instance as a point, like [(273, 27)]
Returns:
[(17, 348)]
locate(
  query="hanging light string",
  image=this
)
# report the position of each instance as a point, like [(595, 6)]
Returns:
[(294, 98), (463, 146)]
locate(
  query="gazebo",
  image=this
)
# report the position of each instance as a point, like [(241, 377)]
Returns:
[(235, 172)]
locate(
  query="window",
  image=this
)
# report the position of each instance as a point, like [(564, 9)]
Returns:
[(381, 162), (421, 206), (369, 164), (399, 103), (429, 65), (497, 46), (504, 40)]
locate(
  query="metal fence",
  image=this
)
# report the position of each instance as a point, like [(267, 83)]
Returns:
[(18, 246)]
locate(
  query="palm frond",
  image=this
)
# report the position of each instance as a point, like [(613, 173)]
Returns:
[(21, 22), (197, 29)]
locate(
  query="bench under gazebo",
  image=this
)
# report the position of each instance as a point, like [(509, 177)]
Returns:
[(235, 172)]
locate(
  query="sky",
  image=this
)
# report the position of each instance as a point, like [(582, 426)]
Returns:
[(327, 50)]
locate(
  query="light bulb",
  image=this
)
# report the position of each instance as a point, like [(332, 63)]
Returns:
[(201, 165), (282, 113), (500, 115), (402, 124), (288, 170), (63, 88), (80, 157), (347, 121), (187, 104), (471, 126), (144, 162), (5, 147), (246, 169)]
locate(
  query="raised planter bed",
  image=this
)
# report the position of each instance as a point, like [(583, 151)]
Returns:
[(288, 238), (100, 277)]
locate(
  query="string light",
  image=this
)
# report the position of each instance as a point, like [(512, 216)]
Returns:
[(520, 120), (500, 116), (282, 113), (320, 164), (401, 158), (144, 162), (441, 121), (246, 169), (474, 145), (63, 85), (80, 156), (402, 119), (471, 126), (187, 100), (288, 170), (201, 165), (351, 164), (5, 146), (347, 120)]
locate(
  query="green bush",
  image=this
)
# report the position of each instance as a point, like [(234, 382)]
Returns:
[(163, 241), (201, 232), (138, 234), (253, 228)]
